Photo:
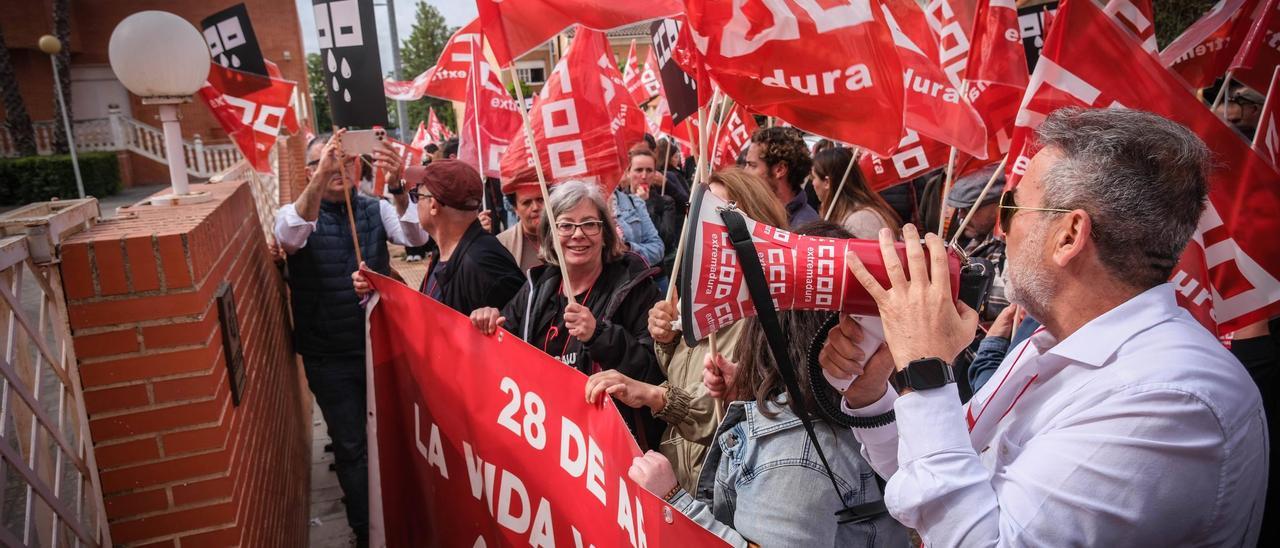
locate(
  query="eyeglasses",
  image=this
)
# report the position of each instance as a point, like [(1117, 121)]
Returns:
[(415, 194), (589, 228), (1008, 203)]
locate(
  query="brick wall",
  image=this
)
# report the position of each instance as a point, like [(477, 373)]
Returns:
[(180, 464)]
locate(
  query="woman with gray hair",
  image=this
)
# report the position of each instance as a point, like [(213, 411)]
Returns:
[(607, 325)]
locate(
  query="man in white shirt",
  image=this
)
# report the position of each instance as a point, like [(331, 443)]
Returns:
[(328, 328), (1122, 422)]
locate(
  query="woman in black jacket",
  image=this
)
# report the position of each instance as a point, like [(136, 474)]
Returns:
[(607, 325)]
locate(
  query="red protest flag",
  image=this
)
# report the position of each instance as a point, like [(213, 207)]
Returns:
[(291, 115), (952, 22), (583, 121), (1227, 276), (914, 156), (491, 120), (1202, 53), (447, 79), (650, 79), (421, 139), (250, 108), (1266, 141), (1137, 17), (437, 130), (1260, 50), (514, 27), (631, 77), (734, 134), (997, 74), (933, 104), (832, 70)]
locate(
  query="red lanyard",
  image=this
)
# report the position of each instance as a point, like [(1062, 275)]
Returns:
[(553, 331)]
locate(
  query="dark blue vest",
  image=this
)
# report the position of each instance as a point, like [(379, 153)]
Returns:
[(327, 317)]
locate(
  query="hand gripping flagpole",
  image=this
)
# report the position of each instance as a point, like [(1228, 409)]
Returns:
[(853, 159), (542, 184), (976, 203)]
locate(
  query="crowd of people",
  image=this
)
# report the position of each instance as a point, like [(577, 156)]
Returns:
[(1079, 406)]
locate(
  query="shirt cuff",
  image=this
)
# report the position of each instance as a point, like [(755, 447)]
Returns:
[(929, 422), (292, 219), (880, 407), (683, 501), (677, 407)]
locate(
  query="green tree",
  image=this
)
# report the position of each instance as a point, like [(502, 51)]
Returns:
[(419, 52), (1174, 16), (319, 97), (17, 120)]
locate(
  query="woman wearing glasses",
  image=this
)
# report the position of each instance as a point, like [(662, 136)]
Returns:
[(606, 327)]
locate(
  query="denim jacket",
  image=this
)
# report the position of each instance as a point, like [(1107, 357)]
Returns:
[(764, 484), (637, 227)]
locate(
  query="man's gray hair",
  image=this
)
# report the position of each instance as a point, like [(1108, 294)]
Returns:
[(1142, 179), (566, 196)]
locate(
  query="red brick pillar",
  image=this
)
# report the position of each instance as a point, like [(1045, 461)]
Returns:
[(180, 463)]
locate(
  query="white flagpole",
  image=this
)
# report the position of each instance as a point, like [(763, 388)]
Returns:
[(1271, 89), (942, 198), (976, 203)]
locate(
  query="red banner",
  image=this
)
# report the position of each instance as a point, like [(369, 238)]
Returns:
[(1260, 51), (250, 108), (583, 121), (1234, 280), (830, 69), (1201, 53), (507, 454), (734, 133), (491, 121), (914, 156), (1266, 141), (448, 78), (514, 27)]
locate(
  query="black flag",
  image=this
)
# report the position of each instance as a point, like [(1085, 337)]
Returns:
[(353, 70), (680, 88), (232, 42)]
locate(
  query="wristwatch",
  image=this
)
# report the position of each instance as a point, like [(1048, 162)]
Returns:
[(398, 190), (923, 374)]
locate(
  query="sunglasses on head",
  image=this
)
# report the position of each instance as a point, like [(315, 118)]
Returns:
[(1009, 206)]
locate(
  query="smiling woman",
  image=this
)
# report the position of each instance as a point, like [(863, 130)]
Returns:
[(606, 325)]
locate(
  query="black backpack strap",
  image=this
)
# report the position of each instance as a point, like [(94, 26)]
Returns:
[(767, 315)]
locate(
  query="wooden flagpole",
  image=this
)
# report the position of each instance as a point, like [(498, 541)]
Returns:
[(351, 217), (1222, 92), (976, 203), (697, 179), (475, 100), (853, 159), (942, 198), (715, 142), (542, 183)]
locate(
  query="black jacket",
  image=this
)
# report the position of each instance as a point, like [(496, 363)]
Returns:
[(621, 341), (480, 273)]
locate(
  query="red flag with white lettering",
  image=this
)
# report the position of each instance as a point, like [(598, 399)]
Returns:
[(1202, 53), (447, 79), (1266, 141), (250, 108), (583, 120), (490, 122), (952, 22), (421, 139), (996, 75), (934, 106), (914, 156), (631, 77), (1135, 16), (437, 130), (514, 27), (1228, 274), (650, 78), (1260, 51), (831, 70), (290, 124), (734, 133)]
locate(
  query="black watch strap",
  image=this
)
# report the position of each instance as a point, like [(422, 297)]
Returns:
[(924, 374), (398, 189)]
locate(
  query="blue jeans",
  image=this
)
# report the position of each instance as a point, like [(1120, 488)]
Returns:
[(339, 387)]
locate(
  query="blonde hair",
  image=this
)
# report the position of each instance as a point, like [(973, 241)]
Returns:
[(753, 196)]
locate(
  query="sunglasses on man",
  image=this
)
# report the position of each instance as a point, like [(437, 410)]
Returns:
[(1009, 206)]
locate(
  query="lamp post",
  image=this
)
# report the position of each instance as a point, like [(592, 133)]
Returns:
[(51, 46), (163, 59)]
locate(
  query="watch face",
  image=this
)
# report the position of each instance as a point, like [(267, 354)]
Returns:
[(929, 373)]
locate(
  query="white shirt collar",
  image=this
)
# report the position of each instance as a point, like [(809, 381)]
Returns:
[(1095, 342)]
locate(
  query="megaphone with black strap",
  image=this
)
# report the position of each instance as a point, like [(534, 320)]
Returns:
[(803, 272)]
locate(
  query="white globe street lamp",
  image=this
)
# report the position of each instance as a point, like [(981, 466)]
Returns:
[(163, 59)]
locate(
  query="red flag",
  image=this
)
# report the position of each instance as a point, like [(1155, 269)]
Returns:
[(514, 27), (491, 120), (1260, 50), (734, 133), (1266, 141), (631, 77), (421, 139), (952, 25), (250, 108), (448, 78), (997, 75), (914, 156), (455, 463), (291, 115), (650, 79), (1201, 54), (1135, 16), (1228, 272), (831, 70), (583, 121), (437, 131), (934, 106)]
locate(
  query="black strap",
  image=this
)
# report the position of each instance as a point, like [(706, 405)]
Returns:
[(767, 315)]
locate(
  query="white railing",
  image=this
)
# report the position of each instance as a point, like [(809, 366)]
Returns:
[(266, 189), (51, 495), (119, 132)]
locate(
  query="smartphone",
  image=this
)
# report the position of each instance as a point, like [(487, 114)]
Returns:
[(362, 141)]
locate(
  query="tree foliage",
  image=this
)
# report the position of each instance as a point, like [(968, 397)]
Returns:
[(1174, 16), (418, 52), (319, 98)]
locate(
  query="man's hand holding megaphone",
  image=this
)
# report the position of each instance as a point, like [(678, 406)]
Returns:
[(921, 317)]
